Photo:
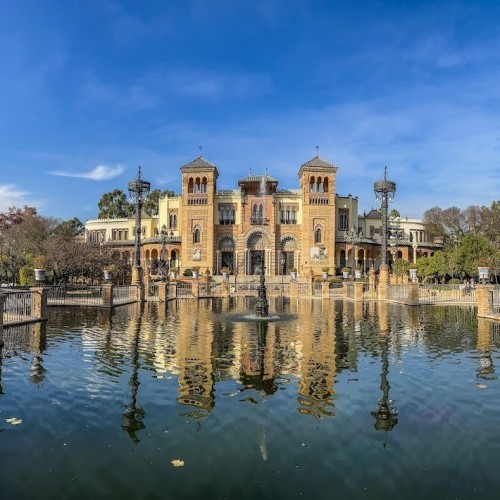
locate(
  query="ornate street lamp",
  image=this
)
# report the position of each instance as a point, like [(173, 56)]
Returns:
[(163, 257), (384, 192), (353, 238), (282, 262), (137, 189)]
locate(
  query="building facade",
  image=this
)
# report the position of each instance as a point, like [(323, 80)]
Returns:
[(259, 227)]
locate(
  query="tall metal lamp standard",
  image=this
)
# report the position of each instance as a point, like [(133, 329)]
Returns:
[(353, 238), (137, 189), (384, 192)]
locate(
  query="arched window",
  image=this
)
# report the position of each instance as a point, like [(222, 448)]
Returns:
[(312, 184), (196, 235), (318, 237), (320, 185), (294, 215), (190, 185), (344, 220), (254, 212), (204, 185), (172, 220), (325, 185)]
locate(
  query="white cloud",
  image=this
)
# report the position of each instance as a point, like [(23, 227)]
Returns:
[(10, 196), (99, 173)]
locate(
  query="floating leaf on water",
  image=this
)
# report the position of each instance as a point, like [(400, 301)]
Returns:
[(14, 421), (177, 463)]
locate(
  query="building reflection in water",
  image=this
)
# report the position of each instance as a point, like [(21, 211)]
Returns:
[(39, 343), (257, 358), (195, 342), (133, 416), (317, 370), (386, 412), (485, 331)]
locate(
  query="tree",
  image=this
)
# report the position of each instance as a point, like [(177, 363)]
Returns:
[(394, 214), (151, 204), (490, 222), (15, 216), (71, 228), (114, 205), (473, 249)]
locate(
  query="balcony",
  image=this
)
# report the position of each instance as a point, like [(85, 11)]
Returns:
[(259, 221)]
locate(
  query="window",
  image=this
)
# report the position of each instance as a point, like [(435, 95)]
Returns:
[(318, 237), (172, 220), (196, 235), (343, 220)]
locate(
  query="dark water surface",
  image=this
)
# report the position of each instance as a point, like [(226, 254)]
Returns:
[(278, 410)]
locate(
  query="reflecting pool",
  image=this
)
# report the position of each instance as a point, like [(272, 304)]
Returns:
[(191, 400)]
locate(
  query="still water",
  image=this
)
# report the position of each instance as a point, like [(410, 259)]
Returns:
[(334, 400)]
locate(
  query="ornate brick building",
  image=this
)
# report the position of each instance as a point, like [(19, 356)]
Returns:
[(259, 225)]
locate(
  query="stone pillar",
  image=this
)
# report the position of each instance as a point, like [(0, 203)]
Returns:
[(162, 291), (140, 297), (195, 288), (40, 302), (294, 288), (413, 299), (372, 279), (383, 317), (325, 289), (2, 304), (483, 301), (225, 289), (107, 295), (345, 290), (358, 291), (136, 275), (383, 282)]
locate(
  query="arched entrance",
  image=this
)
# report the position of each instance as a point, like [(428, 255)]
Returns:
[(287, 255), (256, 252), (225, 250)]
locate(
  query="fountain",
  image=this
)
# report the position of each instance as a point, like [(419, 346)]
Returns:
[(262, 306)]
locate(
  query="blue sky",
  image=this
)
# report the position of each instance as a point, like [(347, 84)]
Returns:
[(91, 89)]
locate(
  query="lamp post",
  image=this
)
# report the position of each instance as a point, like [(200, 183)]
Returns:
[(353, 238), (384, 192), (163, 259), (137, 188), (282, 262)]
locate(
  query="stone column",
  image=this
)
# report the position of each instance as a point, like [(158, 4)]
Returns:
[(140, 297), (345, 290), (40, 302), (325, 289), (136, 275), (358, 291), (413, 299), (107, 295), (294, 288), (195, 288), (483, 301), (2, 303), (383, 282), (162, 291), (372, 279)]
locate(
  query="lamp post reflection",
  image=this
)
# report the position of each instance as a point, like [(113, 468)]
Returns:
[(386, 412), (132, 418)]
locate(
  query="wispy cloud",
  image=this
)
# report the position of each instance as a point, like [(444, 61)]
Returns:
[(99, 173), (11, 196)]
